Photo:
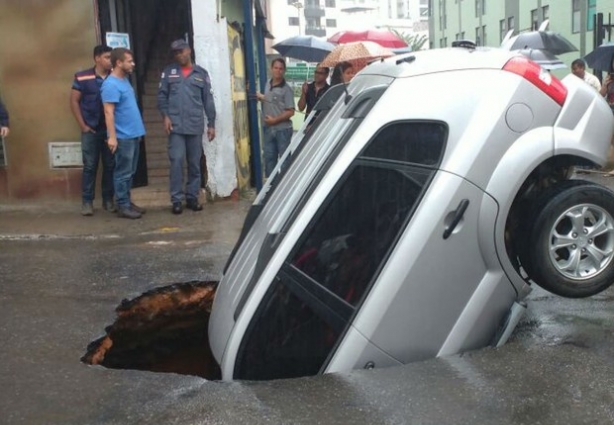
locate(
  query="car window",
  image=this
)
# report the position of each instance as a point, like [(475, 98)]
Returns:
[(287, 339), (417, 143), (346, 245), (331, 268)]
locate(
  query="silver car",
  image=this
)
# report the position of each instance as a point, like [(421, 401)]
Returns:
[(411, 214)]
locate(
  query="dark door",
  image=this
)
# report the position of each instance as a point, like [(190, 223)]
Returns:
[(151, 25)]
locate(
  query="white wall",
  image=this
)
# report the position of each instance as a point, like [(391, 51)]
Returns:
[(211, 50)]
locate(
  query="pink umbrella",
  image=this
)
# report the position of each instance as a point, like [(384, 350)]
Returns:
[(384, 38)]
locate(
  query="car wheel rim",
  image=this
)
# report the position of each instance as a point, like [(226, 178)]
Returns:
[(582, 241)]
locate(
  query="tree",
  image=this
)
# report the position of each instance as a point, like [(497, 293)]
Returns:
[(415, 41)]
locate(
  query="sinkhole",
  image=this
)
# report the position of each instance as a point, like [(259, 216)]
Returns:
[(161, 330)]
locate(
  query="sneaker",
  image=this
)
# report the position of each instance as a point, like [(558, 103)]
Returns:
[(193, 205), (138, 209), (87, 209), (177, 208), (109, 206), (128, 213)]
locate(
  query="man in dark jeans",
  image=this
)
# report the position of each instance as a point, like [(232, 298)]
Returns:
[(184, 98), (86, 106)]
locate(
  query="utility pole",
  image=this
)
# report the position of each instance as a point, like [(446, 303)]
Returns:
[(298, 6)]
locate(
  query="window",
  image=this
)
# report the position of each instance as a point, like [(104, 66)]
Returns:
[(502, 30), (443, 20), (335, 262), (331, 23), (480, 6), (484, 42), (478, 36), (545, 12), (313, 22), (511, 25), (330, 3), (575, 16), (293, 22), (291, 2), (534, 20), (590, 16)]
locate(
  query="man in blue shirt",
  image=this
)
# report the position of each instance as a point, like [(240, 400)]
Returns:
[(125, 128), (86, 106)]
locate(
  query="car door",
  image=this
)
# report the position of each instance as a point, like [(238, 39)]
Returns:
[(329, 272)]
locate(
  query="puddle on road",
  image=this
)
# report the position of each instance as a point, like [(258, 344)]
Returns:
[(162, 330)]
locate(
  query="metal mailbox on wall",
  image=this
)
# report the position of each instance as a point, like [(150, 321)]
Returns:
[(65, 155)]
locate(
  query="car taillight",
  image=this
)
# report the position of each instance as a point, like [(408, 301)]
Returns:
[(539, 77)]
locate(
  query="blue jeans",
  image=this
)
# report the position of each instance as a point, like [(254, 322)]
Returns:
[(276, 141), (180, 148), (94, 148), (126, 160)]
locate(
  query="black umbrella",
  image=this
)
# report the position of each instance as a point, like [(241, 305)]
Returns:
[(553, 42), (304, 47), (543, 57), (601, 57)]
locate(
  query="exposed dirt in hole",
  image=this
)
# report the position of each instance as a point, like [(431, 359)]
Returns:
[(162, 330)]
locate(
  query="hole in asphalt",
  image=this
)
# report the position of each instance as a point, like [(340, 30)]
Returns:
[(162, 330)]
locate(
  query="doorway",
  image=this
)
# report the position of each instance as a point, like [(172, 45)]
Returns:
[(151, 25)]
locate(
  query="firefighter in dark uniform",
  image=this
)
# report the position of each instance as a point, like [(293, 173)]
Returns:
[(184, 98)]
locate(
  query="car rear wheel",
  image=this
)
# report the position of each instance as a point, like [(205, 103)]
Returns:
[(569, 248)]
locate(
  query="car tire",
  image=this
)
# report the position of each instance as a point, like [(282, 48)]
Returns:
[(569, 247)]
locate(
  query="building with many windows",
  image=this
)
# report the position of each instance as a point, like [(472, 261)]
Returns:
[(323, 18), (488, 22)]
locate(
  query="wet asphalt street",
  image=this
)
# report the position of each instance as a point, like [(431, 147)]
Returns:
[(62, 275)]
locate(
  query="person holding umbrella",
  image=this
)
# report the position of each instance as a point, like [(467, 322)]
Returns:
[(342, 73), (607, 88), (311, 92)]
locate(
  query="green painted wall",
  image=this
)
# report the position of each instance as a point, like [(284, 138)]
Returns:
[(461, 17)]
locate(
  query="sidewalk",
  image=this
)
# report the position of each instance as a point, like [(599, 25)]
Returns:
[(64, 219)]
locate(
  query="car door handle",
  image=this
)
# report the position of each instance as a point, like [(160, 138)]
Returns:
[(458, 215)]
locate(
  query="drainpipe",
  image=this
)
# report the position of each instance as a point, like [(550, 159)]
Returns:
[(260, 24), (254, 131)]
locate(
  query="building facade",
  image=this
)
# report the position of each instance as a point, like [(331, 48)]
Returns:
[(323, 18), (42, 45), (488, 22)]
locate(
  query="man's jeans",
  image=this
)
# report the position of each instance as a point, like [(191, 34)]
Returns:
[(180, 148), (126, 160), (93, 148), (276, 141)]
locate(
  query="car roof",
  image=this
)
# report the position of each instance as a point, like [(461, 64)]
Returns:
[(439, 60)]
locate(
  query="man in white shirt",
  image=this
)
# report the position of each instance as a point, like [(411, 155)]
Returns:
[(578, 68)]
